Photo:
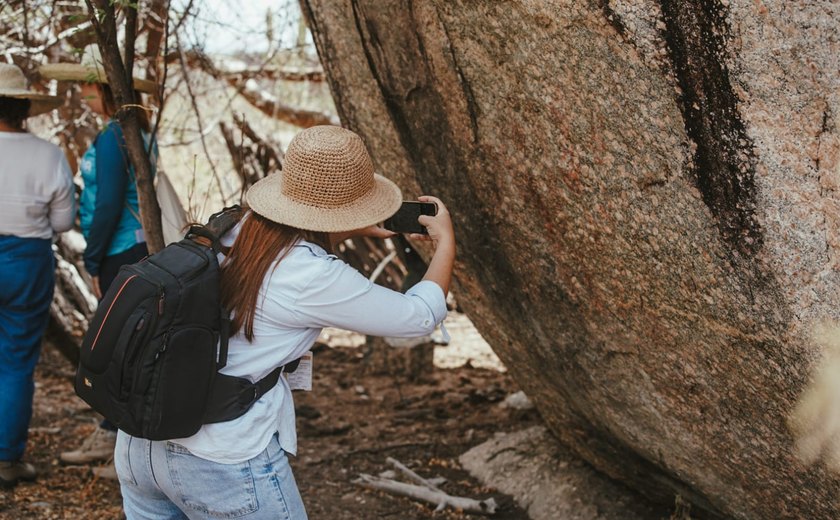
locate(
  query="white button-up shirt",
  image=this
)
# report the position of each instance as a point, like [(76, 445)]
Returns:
[(309, 289)]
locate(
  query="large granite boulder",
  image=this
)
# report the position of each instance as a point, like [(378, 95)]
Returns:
[(646, 201)]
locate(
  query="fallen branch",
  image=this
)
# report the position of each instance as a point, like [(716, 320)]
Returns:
[(412, 475), (439, 498)]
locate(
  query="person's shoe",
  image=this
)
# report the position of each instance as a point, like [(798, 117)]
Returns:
[(99, 446), (13, 471), (108, 472)]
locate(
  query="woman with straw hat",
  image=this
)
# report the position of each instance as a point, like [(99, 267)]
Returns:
[(109, 210), (283, 286), (36, 202)]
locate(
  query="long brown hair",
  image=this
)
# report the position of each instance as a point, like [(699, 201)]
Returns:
[(259, 245)]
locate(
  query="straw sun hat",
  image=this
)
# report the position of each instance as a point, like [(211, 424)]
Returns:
[(327, 184), (13, 85), (89, 70)]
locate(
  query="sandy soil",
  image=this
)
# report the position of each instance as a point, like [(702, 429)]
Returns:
[(348, 425)]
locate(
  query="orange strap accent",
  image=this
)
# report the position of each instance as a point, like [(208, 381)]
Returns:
[(109, 310)]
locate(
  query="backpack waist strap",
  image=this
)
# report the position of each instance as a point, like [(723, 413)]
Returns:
[(231, 396)]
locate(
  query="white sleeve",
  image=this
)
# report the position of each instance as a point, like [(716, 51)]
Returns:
[(344, 298), (63, 203)]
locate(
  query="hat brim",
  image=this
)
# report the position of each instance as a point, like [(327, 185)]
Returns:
[(266, 198), (77, 72), (40, 103)]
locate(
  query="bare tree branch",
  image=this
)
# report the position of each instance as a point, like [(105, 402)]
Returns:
[(278, 73), (260, 99)]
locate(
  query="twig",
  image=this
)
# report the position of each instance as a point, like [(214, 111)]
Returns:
[(439, 498), (411, 475)]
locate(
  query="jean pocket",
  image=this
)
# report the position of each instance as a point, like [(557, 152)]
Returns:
[(211, 489), (122, 460)]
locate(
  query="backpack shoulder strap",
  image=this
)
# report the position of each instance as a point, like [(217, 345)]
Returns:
[(223, 221), (218, 224)]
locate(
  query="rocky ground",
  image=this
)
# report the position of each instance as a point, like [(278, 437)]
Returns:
[(349, 424)]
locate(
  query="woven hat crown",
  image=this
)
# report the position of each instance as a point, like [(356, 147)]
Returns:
[(327, 167), (11, 78)]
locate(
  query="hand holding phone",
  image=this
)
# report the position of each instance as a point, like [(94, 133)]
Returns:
[(406, 219), (442, 237)]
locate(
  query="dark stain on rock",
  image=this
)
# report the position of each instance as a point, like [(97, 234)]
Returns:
[(424, 131), (611, 16), (724, 162)]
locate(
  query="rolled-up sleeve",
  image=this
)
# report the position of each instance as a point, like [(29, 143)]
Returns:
[(341, 297)]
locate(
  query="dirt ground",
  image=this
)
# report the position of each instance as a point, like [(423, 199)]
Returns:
[(349, 424)]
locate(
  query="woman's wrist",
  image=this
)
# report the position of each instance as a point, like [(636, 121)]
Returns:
[(445, 244)]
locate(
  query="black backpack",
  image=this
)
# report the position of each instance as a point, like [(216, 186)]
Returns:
[(149, 361)]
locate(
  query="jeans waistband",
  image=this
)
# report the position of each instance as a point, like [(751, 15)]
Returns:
[(22, 245)]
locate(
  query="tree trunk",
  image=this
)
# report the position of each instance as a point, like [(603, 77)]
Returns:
[(642, 238)]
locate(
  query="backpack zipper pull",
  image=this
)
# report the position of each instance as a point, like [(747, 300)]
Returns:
[(160, 304), (162, 348)]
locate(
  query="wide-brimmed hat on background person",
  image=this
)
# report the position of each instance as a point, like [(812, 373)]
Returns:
[(327, 184), (13, 85), (90, 70)]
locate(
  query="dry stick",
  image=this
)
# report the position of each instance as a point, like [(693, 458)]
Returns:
[(412, 475), (439, 498)]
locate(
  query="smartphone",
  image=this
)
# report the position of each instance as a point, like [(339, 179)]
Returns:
[(405, 219)]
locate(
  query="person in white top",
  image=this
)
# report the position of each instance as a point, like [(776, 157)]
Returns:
[(283, 287), (36, 202)]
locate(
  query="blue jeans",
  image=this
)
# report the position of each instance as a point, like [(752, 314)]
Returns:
[(26, 287), (162, 480)]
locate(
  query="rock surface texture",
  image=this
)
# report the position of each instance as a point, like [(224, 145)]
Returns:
[(646, 199)]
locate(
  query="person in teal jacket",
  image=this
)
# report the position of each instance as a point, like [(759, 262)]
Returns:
[(108, 209)]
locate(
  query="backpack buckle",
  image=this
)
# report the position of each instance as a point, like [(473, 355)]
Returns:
[(254, 397)]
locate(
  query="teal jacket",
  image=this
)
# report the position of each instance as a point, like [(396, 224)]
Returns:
[(108, 208)]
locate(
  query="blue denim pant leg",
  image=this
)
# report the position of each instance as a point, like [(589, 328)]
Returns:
[(162, 480), (26, 288)]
